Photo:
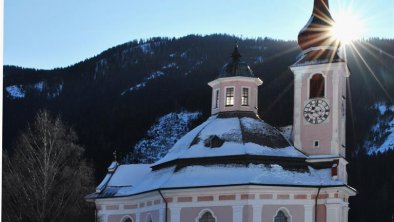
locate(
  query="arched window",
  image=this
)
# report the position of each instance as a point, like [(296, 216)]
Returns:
[(207, 217), (316, 86), (280, 217), (127, 219)]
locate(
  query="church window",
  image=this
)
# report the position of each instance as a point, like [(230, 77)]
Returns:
[(316, 84), (280, 217), (128, 219), (230, 97), (217, 99), (245, 97), (207, 217)]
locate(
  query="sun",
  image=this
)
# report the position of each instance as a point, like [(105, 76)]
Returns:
[(347, 27)]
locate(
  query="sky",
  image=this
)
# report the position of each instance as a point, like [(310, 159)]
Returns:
[(47, 34)]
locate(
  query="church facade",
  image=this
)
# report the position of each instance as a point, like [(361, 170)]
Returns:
[(235, 167)]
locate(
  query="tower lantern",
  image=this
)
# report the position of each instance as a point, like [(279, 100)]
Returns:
[(235, 89)]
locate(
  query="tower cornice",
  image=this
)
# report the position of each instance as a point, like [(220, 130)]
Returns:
[(255, 80)]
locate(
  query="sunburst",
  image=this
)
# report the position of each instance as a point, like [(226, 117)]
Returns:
[(348, 27)]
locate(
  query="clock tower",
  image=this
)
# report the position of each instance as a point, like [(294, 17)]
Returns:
[(320, 89)]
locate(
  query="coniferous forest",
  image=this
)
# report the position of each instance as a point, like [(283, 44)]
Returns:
[(113, 98)]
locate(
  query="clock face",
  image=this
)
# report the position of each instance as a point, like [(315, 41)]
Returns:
[(316, 111)]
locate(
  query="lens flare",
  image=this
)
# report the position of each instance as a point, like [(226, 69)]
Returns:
[(347, 28)]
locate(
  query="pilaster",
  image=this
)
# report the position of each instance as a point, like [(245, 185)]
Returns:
[(257, 211), (308, 213), (175, 214), (334, 212), (237, 213)]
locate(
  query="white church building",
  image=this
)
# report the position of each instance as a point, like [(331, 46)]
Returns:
[(235, 167)]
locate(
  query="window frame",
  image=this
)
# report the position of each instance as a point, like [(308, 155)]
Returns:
[(243, 96), (314, 143), (285, 211), (125, 218), (324, 85), (226, 97), (216, 99), (204, 211)]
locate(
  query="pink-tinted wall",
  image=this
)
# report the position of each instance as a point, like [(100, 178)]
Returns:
[(321, 213), (323, 131), (223, 213), (296, 212), (238, 85)]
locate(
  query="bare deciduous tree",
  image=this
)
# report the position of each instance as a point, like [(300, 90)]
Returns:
[(46, 177)]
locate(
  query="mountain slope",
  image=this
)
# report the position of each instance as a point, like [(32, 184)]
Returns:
[(161, 136), (112, 99), (381, 137)]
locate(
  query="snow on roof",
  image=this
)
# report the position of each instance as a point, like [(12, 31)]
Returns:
[(129, 176), (241, 136), (133, 179), (287, 131)]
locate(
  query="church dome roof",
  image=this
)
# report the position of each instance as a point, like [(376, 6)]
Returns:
[(317, 31), (228, 135), (236, 67)]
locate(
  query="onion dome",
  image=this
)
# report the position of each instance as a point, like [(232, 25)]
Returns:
[(236, 67), (317, 32)]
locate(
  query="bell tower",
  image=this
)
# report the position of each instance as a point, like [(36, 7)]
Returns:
[(320, 88)]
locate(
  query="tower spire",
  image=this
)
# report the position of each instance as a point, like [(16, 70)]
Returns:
[(236, 55), (317, 31)]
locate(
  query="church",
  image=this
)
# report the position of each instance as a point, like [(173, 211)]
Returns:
[(235, 167)]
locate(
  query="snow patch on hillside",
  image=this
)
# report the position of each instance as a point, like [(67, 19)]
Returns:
[(146, 48), (259, 59), (163, 134), (56, 91), (170, 65), (39, 86), (142, 84), (15, 92), (382, 133)]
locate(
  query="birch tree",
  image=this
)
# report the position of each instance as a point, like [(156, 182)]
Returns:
[(46, 177)]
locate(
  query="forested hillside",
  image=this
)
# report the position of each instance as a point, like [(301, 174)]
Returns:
[(114, 98)]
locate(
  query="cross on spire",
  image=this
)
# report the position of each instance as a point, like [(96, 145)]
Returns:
[(236, 55)]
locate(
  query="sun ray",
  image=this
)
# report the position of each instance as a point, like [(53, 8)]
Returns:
[(373, 74), (380, 50)]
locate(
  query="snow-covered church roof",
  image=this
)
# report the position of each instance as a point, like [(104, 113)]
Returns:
[(245, 151), (231, 134), (132, 179)]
